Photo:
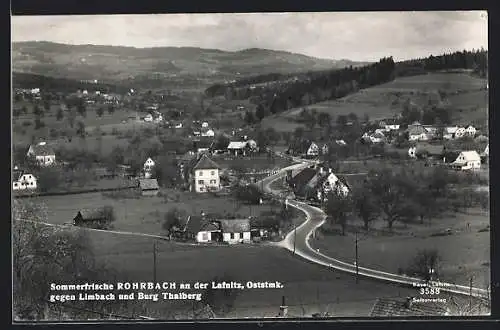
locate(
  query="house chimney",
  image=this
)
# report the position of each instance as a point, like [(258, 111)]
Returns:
[(283, 308), (409, 302)]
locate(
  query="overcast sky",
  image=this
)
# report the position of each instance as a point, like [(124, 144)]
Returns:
[(364, 36)]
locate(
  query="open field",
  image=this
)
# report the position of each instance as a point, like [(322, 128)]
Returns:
[(386, 100), (306, 285), (145, 214), (465, 253)]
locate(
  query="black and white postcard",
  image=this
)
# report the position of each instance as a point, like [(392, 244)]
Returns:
[(250, 166)]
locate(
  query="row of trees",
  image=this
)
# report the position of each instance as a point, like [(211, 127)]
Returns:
[(401, 196)]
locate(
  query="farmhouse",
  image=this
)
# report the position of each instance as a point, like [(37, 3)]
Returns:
[(377, 137), (237, 147), (207, 132), (325, 182), (449, 132), (470, 131), (467, 160), (388, 307), (390, 124), (204, 125), (206, 175), (417, 133), (307, 148), (148, 118), (149, 187), (23, 181), (43, 154), (460, 133), (96, 217), (235, 230), (201, 230), (299, 181), (149, 164)]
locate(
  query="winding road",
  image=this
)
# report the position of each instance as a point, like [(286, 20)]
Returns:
[(315, 217)]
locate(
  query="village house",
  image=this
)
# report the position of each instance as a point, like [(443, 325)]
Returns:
[(426, 150), (390, 124), (235, 231), (299, 181), (325, 182), (207, 132), (449, 132), (148, 118), (377, 137), (430, 130), (149, 187), (148, 167), (417, 133), (202, 230), (486, 151), (308, 149), (94, 218), (404, 307), (204, 125), (460, 133), (237, 148), (465, 160), (178, 125), (205, 175), (471, 131), (23, 181), (43, 154)]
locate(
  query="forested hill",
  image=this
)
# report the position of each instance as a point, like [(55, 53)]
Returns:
[(274, 93)]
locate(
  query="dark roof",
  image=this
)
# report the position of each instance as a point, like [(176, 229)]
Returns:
[(148, 184), (451, 156), (92, 214), (399, 307), (300, 145), (202, 143), (205, 163), (42, 150), (196, 223), (303, 177), (235, 225)]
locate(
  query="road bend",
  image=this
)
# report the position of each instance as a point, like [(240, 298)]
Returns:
[(315, 217)]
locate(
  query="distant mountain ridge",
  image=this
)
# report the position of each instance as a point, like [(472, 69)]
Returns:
[(114, 63)]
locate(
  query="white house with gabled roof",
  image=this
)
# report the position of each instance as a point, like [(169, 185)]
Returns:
[(467, 160), (471, 130)]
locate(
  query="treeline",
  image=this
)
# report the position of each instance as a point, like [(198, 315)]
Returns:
[(315, 87), (475, 60), (53, 84)]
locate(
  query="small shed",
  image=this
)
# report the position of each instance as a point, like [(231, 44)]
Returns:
[(236, 230), (94, 218), (149, 187)]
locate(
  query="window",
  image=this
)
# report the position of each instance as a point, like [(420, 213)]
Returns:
[(204, 236), (213, 181), (15, 184), (200, 173), (201, 182), (231, 235), (212, 173)]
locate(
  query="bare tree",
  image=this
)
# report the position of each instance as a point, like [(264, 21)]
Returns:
[(425, 264)]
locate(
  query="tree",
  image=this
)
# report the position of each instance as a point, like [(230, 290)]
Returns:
[(172, 220), (37, 111), (342, 120), (111, 109), (72, 118), (260, 112), (365, 206), (324, 119), (298, 133), (249, 194), (81, 108), (59, 114), (80, 129), (426, 205), (249, 117), (39, 123), (392, 193), (24, 110), (352, 117), (339, 207), (46, 105), (99, 111), (425, 264), (48, 179), (166, 171)]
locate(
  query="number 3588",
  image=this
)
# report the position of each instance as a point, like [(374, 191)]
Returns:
[(429, 291)]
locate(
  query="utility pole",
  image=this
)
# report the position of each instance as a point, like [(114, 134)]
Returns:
[(294, 237), (154, 262), (357, 268), (470, 295)]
